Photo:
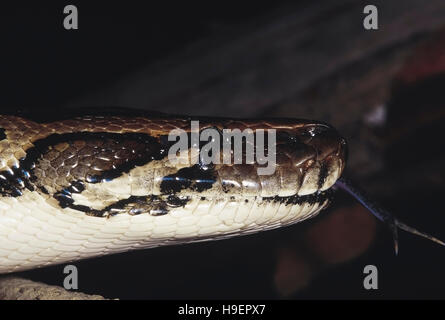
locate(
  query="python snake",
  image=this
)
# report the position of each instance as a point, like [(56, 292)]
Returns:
[(101, 183)]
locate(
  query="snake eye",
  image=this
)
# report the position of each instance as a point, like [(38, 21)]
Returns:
[(325, 140)]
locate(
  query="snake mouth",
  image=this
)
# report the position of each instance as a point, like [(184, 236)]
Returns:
[(318, 197)]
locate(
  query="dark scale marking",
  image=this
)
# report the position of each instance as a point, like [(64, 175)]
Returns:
[(14, 181), (65, 196), (2, 134), (194, 178), (134, 205), (44, 190), (322, 175), (175, 202), (310, 198)]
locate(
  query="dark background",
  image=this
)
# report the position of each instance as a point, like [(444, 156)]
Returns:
[(307, 59)]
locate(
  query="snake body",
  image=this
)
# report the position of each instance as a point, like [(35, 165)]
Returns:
[(97, 184)]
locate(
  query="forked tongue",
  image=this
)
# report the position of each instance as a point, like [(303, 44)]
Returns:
[(381, 213)]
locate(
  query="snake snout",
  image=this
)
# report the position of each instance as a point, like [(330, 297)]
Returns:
[(325, 157)]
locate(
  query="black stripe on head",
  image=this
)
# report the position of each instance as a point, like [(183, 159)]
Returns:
[(322, 175), (197, 178)]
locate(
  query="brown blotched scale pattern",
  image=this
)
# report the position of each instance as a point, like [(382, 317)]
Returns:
[(90, 159)]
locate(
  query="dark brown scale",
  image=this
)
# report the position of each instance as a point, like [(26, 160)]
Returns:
[(2, 134), (71, 162)]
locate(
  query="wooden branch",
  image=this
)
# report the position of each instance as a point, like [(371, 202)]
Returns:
[(13, 288)]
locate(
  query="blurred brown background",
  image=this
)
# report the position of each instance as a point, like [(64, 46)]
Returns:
[(382, 89)]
